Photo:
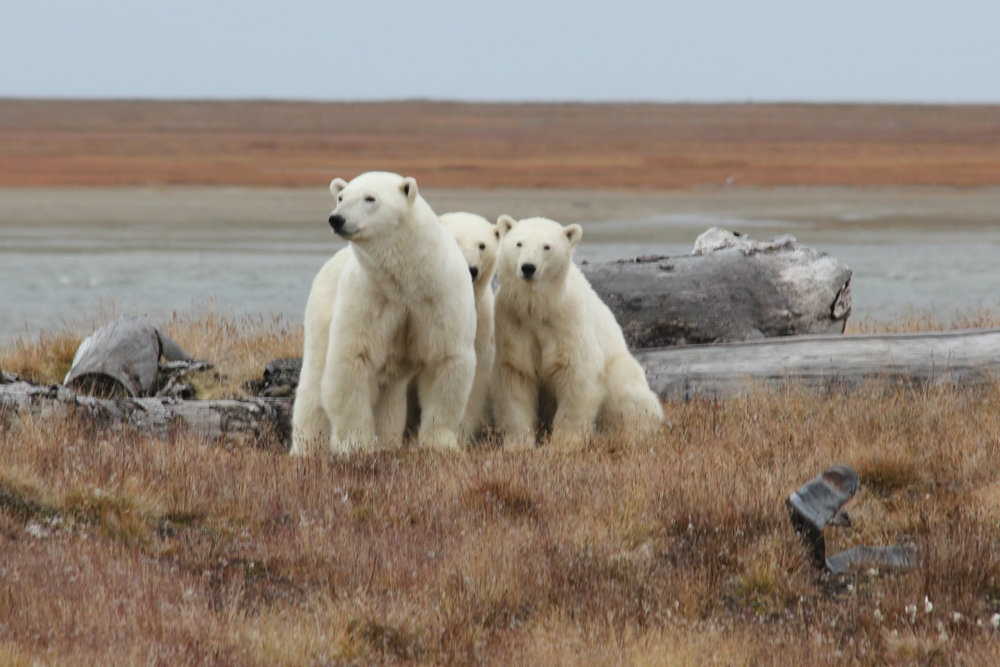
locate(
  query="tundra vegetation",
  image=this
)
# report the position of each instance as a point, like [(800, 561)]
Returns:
[(673, 548)]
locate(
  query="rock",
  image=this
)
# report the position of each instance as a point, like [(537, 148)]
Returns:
[(730, 288)]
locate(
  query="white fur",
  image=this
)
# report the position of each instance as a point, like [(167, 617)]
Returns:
[(558, 344), (392, 307), (478, 238)]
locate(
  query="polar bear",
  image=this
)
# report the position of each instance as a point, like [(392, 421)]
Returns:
[(478, 239), (560, 352), (392, 307)]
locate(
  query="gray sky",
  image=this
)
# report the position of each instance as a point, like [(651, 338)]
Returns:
[(657, 50)]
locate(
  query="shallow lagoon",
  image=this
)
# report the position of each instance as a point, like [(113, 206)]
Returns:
[(83, 255)]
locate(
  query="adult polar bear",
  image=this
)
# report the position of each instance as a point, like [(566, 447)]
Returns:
[(559, 347), (395, 305)]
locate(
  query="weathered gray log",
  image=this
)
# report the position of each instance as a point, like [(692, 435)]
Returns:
[(675, 373), (725, 370), (260, 422), (730, 288), (122, 359)]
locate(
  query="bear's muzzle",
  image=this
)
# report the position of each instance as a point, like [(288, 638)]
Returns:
[(338, 221)]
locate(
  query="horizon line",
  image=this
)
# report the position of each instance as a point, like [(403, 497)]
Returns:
[(497, 102)]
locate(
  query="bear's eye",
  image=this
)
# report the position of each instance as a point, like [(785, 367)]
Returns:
[(370, 199), (546, 247), (340, 198), (482, 246), (518, 244)]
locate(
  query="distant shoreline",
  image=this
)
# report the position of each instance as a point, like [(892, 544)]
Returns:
[(207, 205), (622, 146)]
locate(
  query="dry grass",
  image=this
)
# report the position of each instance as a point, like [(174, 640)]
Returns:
[(238, 347), (914, 321), (673, 549)]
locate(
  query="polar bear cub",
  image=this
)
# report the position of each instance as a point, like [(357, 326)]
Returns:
[(478, 239), (559, 347), (391, 308)]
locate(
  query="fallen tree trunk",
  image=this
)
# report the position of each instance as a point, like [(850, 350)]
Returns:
[(676, 373), (721, 371), (730, 288), (259, 422)]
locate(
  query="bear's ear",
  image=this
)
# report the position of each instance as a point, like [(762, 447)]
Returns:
[(505, 223), (336, 185), (409, 188), (574, 233)]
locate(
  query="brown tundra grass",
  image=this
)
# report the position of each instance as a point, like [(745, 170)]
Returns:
[(118, 548)]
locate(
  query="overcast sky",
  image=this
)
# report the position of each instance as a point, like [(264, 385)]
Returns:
[(657, 50)]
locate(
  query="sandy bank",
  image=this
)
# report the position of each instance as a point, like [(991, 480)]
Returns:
[(260, 206)]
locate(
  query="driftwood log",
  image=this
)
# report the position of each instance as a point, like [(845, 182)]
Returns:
[(116, 372), (123, 359), (718, 371), (260, 422), (722, 371), (730, 288)]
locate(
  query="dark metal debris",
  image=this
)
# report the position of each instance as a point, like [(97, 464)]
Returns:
[(818, 504)]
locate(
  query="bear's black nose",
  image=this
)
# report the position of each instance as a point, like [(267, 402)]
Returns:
[(528, 271), (474, 270), (337, 222)]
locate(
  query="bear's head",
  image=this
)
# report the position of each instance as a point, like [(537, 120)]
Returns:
[(535, 250), (371, 205), (478, 238)]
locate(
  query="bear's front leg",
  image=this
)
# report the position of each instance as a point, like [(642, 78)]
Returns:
[(391, 411), (443, 392), (515, 406), (348, 392), (578, 402), (310, 425)]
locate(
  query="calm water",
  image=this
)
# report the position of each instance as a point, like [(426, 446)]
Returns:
[(54, 273)]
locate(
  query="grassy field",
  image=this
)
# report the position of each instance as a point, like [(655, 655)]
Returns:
[(674, 549)]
